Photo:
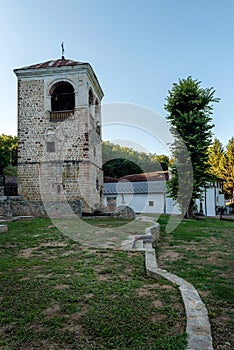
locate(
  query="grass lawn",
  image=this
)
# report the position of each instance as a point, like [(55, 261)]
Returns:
[(58, 294), (201, 251)]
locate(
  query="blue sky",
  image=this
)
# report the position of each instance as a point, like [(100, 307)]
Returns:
[(138, 49)]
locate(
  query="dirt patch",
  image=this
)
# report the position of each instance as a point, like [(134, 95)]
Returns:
[(147, 289), (7, 329), (156, 318), (158, 303), (69, 252), (167, 287), (75, 326), (42, 345), (52, 311), (89, 296), (62, 287), (170, 255), (143, 292), (28, 252), (104, 277), (54, 244), (213, 258), (37, 327), (223, 335), (48, 275), (125, 277)]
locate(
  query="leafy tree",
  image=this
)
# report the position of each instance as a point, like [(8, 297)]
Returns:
[(120, 161), (10, 170), (120, 167), (189, 112), (8, 147)]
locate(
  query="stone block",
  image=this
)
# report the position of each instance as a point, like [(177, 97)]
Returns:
[(3, 228)]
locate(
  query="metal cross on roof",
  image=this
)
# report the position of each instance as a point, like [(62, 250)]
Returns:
[(62, 51)]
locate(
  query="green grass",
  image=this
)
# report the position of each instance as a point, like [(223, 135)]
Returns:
[(99, 232), (201, 251), (58, 294)]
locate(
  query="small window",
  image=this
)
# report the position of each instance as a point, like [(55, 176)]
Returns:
[(151, 203), (50, 147)]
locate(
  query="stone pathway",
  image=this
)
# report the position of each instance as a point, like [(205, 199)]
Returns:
[(198, 325)]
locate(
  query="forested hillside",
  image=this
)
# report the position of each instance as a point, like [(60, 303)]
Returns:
[(120, 161)]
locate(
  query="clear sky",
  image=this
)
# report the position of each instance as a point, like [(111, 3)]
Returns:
[(137, 49)]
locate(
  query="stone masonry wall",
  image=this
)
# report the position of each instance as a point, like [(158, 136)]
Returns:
[(17, 206), (73, 169)]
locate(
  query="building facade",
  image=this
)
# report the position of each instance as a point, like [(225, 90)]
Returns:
[(147, 193), (212, 199), (59, 133), (144, 193)]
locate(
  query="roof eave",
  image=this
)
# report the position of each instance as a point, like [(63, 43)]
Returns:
[(48, 71)]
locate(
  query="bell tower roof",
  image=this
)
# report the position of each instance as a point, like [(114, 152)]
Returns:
[(61, 67), (53, 63)]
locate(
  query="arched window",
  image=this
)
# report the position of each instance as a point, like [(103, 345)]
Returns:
[(62, 97), (91, 97), (98, 127), (97, 109)]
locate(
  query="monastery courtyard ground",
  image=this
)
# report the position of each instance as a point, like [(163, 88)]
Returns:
[(58, 294)]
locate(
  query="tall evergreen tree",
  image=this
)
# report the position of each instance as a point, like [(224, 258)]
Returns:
[(229, 170), (189, 108), (221, 162), (216, 157)]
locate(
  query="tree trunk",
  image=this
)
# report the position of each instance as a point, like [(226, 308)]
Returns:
[(190, 212)]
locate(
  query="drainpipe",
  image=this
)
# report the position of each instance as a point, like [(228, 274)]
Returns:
[(165, 203), (215, 198)]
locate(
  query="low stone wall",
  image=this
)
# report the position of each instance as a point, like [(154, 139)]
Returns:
[(153, 231), (17, 206)]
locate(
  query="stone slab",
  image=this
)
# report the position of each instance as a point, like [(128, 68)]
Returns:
[(3, 228)]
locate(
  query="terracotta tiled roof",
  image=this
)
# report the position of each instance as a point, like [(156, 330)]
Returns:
[(53, 63), (110, 179), (151, 176), (153, 182)]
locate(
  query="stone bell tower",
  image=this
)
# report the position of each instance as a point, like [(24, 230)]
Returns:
[(59, 133)]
